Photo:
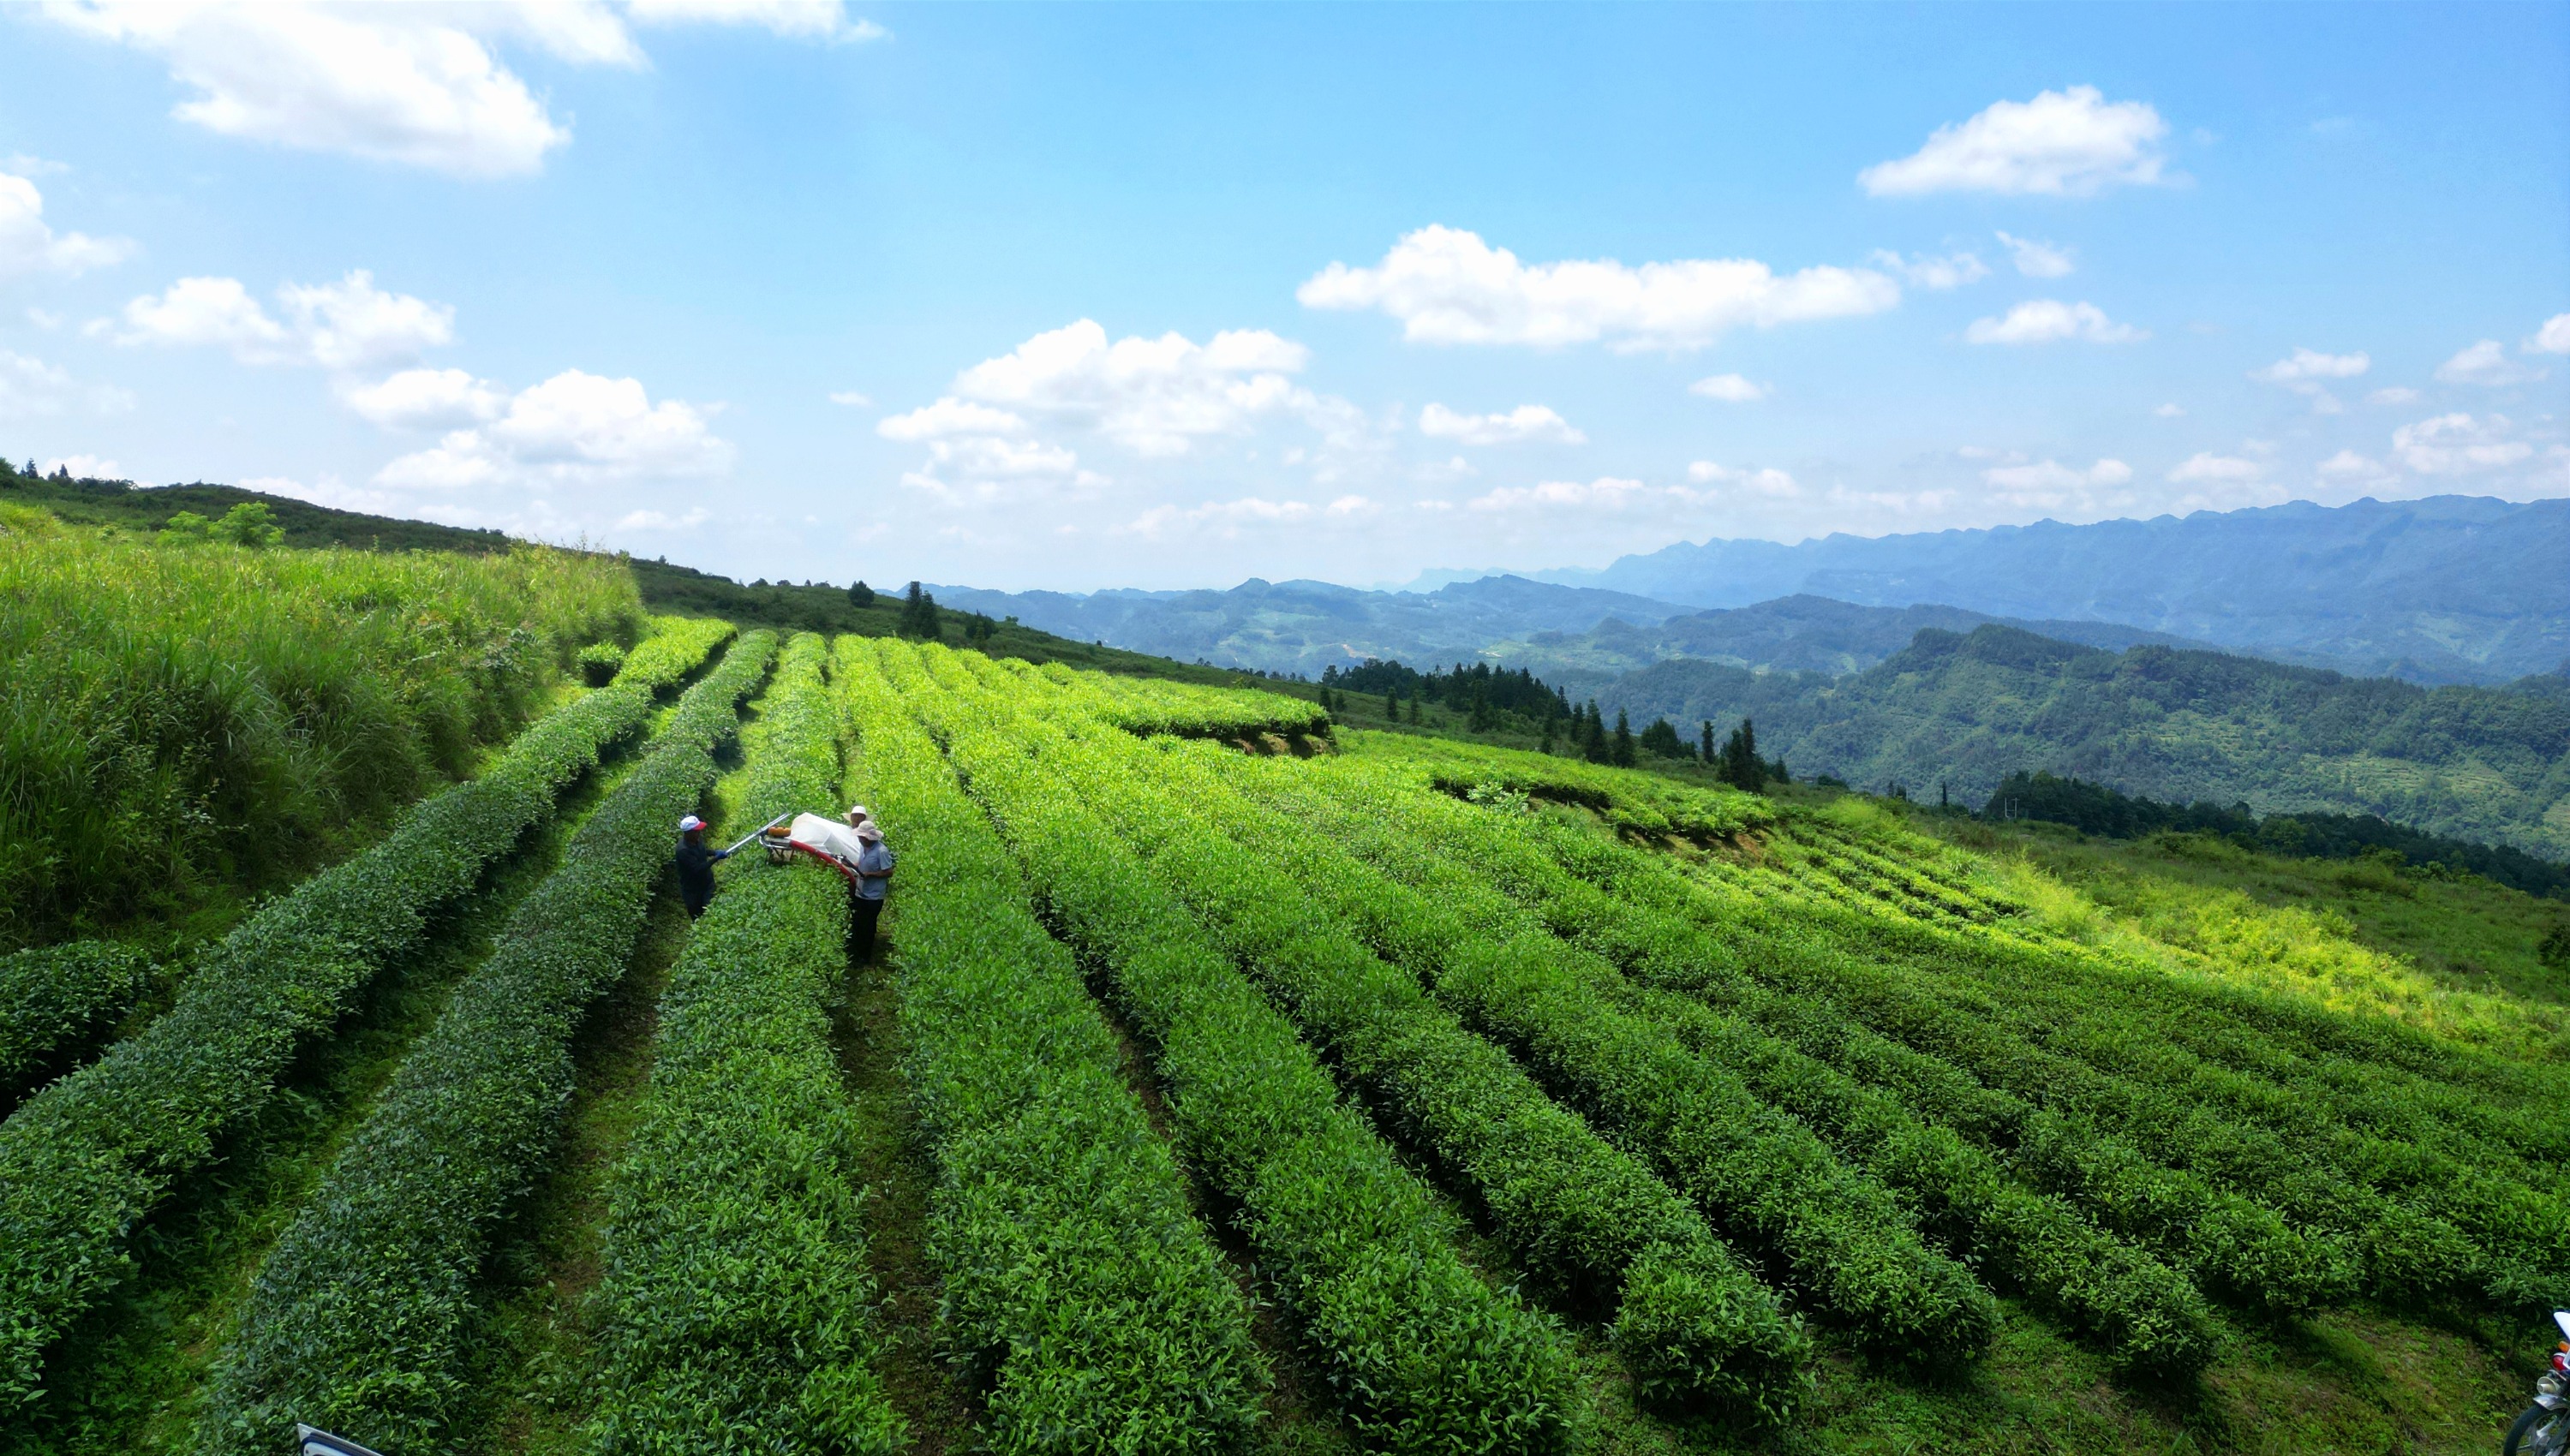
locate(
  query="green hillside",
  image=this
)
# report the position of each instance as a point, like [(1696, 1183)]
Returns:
[(2481, 764)]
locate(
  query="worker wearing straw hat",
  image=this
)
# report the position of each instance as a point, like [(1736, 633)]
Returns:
[(873, 867)]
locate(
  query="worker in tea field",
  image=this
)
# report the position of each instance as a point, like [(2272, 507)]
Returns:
[(696, 866), (873, 878)]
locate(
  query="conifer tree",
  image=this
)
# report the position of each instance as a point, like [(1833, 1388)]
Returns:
[(1623, 750)]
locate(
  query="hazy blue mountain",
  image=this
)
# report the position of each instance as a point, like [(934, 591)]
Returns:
[(1304, 627), (1789, 634), (2491, 765), (2452, 589)]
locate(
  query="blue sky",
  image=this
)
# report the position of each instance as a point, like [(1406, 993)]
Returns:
[(1078, 297)]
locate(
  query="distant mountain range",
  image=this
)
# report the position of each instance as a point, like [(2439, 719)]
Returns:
[(2490, 764), (2451, 588)]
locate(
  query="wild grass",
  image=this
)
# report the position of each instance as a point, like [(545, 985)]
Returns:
[(191, 719)]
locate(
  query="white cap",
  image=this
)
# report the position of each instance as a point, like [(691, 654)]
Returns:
[(856, 812), (690, 824)]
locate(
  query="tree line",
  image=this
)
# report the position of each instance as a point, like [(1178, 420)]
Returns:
[(2099, 809)]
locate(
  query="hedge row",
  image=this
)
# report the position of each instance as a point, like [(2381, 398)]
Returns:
[(84, 1161), (57, 1002), (1761, 1176), (1148, 706), (358, 1318), (737, 1312), (2148, 1314), (2399, 1251), (1585, 1218), (1419, 1354), (2232, 1244), (1079, 1290)]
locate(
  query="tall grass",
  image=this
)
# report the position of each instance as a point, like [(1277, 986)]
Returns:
[(176, 717)]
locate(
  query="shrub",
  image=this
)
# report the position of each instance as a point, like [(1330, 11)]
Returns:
[(58, 1000)]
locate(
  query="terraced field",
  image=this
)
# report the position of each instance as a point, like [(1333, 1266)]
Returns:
[(1233, 1082)]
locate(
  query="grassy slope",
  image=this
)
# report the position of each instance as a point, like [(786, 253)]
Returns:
[(131, 1376), (2352, 1379)]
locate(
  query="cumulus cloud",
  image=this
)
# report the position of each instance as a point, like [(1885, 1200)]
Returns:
[(2204, 468), (412, 85), (347, 325), (1155, 397), (2459, 444), (86, 468), (2398, 394), (425, 398), (574, 428), (2045, 320), (1227, 520), (1731, 389), (29, 245), (1448, 286), (2348, 466), (2037, 260), (948, 416), (2486, 364), (1765, 481), (2051, 480), (1525, 424), (1933, 273), (2304, 369), (2552, 338), (2070, 143), (799, 20), (2170, 411), (30, 387), (852, 399)]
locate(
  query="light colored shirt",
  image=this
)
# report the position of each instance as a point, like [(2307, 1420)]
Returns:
[(874, 870)]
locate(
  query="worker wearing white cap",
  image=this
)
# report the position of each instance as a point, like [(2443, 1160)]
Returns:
[(697, 865), (874, 880)]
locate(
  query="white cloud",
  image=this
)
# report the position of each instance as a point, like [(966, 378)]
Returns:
[(2303, 371), (663, 519), (352, 324), (2069, 142), (1607, 493), (574, 428), (948, 416), (2037, 260), (1223, 519), (28, 245), (1732, 389), (426, 399), (2552, 338), (798, 20), (2051, 476), (27, 165), (29, 387), (1525, 423), (1765, 481), (382, 82), (852, 399), (2349, 467), (2459, 444), (414, 85), (2205, 467), (2398, 394), (2485, 363), (1448, 286), (2045, 320), (1156, 397), (2170, 411), (347, 325), (86, 468), (1936, 274)]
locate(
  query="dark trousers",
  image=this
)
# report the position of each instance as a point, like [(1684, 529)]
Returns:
[(863, 913)]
